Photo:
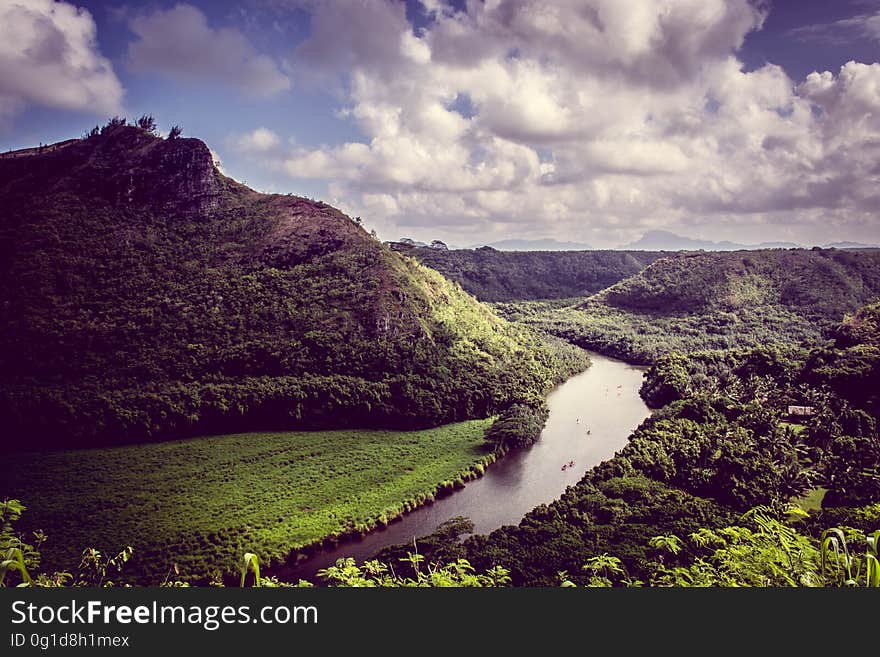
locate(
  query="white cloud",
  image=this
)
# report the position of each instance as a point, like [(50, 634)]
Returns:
[(348, 34), (178, 42), (587, 119), (865, 26), (49, 56), (258, 141), (872, 26)]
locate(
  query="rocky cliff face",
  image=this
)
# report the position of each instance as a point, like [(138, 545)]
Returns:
[(124, 165), (182, 178)]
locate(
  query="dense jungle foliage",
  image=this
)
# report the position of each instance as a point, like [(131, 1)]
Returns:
[(144, 295), (724, 442), (702, 301), (492, 275), (762, 549)]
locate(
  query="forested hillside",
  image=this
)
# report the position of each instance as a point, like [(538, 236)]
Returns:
[(697, 496), (492, 275), (143, 295), (696, 301)]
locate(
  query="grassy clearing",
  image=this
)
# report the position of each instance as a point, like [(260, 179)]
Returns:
[(794, 426), (201, 503), (812, 501)]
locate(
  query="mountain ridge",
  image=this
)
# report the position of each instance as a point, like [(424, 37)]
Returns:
[(664, 240), (493, 275), (541, 244), (719, 300)]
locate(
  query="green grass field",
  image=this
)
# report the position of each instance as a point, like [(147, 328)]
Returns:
[(201, 503), (812, 501)]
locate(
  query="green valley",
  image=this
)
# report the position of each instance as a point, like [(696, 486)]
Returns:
[(200, 371), (709, 489), (492, 275), (190, 508), (696, 301)]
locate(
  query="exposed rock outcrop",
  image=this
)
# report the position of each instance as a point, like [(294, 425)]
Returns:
[(127, 166)]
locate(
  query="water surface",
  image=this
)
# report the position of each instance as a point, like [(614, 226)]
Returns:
[(592, 415)]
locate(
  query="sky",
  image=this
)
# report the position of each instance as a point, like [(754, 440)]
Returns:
[(590, 120)]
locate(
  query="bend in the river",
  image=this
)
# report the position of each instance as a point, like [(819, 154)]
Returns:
[(592, 415)]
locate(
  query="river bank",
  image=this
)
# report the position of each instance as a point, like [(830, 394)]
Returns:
[(592, 415), (194, 506)]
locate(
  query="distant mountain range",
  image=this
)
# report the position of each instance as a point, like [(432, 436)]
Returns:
[(546, 244), (663, 240), (851, 245), (653, 240)]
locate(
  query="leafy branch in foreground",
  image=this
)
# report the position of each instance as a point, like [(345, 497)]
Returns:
[(13, 559), (841, 567), (17, 556), (459, 573), (763, 551), (251, 562)]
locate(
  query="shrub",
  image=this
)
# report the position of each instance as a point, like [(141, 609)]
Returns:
[(518, 426)]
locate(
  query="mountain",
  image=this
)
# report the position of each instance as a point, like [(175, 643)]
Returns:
[(719, 300), (813, 284), (663, 240), (547, 244), (851, 245), (144, 295), (492, 275)]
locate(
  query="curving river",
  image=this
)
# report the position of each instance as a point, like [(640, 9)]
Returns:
[(592, 415)]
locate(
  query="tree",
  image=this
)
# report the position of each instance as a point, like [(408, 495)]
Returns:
[(148, 123), (115, 122), (603, 568), (518, 426), (175, 132), (667, 381)]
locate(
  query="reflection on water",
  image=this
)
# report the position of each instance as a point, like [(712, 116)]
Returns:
[(591, 416)]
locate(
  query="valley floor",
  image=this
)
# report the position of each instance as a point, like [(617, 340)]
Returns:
[(200, 503)]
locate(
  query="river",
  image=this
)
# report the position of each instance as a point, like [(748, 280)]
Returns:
[(591, 417)]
